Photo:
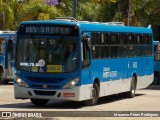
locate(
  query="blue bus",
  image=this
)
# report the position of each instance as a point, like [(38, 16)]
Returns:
[(7, 55), (81, 61), (156, 62)]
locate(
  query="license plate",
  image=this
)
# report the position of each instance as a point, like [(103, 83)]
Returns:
[(68, 94)]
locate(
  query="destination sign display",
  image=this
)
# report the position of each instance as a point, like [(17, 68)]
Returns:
[(48, 30)]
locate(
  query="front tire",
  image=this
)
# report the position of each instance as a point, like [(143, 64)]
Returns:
[(39, 102), (95, 96)]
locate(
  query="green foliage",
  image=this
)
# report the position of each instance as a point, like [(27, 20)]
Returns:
[(37, 10), (143, 12), (8, 13), (88, 11)]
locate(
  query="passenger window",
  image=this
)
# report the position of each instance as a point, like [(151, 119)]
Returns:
[(95, 39), (146, 40), (104, 39), (113, 46), (130, 39), (147, 47), (107, 39), (130, 46), (95, 51), (122, 39), (114, 39), (95, 45), (122, 45), (138, 39)]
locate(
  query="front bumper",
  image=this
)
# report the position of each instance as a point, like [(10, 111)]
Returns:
[(74, 94)]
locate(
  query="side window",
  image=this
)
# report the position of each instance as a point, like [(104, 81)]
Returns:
[(147, 45), (113, 39), (100, 45), (138, 39), (130, 45), (122, 39), (122, 45), (130, 39), (102, 39), (138, 44), (86, 55), (104, 45), (95, 45), (114, 45), (95, 39), (146, 39)]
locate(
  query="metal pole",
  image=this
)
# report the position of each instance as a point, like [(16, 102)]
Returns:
[(3, 21), (74, 8), (129, 11), (1, 26)]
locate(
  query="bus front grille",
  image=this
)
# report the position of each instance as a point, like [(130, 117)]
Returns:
[(39, 92), (44, 80), (48, 86)]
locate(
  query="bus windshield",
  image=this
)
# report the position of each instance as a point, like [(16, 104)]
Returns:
[(47, 55)]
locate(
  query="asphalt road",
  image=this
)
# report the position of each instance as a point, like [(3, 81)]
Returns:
[(145, 101)]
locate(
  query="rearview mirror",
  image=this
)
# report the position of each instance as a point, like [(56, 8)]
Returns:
[(87, 40)]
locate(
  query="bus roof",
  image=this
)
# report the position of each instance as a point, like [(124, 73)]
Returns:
[(6, 34), (155, 42), (94, 26)]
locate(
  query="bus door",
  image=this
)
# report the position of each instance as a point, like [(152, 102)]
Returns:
[(85, 57)]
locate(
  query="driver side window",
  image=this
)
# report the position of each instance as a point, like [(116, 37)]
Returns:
[(86, 54)]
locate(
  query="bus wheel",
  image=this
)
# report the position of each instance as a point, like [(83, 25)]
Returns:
[(156, 79), (132, 91), (39, 102), (95, 95)]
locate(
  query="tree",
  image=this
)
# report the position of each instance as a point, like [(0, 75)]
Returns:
[(7, 12), (37, 10), (87, 10)]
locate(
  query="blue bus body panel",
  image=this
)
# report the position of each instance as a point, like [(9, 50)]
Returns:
[(116, 69)]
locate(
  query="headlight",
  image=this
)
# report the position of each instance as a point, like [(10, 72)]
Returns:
[(71, 83), (21, 83)]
